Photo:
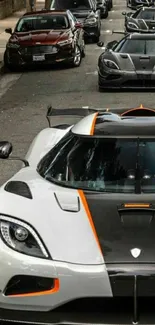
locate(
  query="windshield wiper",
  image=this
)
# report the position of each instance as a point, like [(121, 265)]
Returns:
[(138, 171)]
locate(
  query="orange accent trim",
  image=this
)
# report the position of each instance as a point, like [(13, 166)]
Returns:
[(93, 124), (136, 109), (40, 293), (136, 205), (141, 106), (85, 205)]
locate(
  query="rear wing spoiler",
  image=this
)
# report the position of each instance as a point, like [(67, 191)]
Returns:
[(65, 117)]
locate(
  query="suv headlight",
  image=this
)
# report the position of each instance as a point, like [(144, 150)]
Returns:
[(13, 46), (66, 42), (21, 237), (132, 25), (111, 64), (91, 21)]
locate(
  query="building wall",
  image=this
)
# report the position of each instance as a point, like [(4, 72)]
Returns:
[(7, 7)]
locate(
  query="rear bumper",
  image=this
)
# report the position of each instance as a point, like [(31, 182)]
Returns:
[(126, 79)]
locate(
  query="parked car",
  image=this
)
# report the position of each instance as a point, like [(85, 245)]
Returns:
[(45, 38), (143, 20), (128, 63), (134, 4), (86, 11), (77, 225), (103, 5)]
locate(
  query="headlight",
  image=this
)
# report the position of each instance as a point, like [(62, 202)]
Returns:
[(132, 25), (21, 237), (13, 46), (66, 42), (111, 64), (91, 21)]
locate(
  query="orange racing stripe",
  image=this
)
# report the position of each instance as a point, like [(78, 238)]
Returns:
[(85, 205), (93, 124), (40, 293)]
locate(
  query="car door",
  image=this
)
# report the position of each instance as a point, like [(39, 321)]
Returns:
[(78, 32)]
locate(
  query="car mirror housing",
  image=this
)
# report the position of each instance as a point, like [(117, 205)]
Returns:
[(5, 149), (8, 30), (100, 44)]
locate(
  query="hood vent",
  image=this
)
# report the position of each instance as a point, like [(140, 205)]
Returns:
[(18, 188)]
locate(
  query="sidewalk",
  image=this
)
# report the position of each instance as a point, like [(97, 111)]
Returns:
[(11, 22)]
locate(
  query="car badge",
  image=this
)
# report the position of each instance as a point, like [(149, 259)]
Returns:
[(135, 252)]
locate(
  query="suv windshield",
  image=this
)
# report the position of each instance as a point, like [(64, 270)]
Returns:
[(70, 4), (106, 165), (136, 46), (43, 22)]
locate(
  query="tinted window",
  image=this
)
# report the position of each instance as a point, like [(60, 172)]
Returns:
[(107, 165), (70, 4), (138, 46), (42, 23), (146, 14)]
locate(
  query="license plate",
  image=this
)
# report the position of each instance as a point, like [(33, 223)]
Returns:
[(38, 57)]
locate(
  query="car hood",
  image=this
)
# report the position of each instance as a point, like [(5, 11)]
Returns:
[(132, 62), (82, 14), (43, 37)]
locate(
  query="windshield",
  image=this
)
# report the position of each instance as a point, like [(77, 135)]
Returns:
[(43, 22), (136, 46), (146, 14), (70, 4), (106, 165)]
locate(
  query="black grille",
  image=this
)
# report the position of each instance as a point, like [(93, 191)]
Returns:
[(139, 84), (40, 49), (18, 188)]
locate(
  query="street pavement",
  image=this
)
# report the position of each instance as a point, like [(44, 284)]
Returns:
[(24, 97)]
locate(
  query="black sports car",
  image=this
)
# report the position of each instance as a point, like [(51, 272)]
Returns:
[(134, 4), (143, 20), (129, 63)]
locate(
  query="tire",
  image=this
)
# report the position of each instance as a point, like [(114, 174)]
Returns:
[(77, 57), (104, 16), (9, 65), (83, 50)]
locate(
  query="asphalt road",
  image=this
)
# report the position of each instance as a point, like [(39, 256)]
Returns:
[(24, 97)]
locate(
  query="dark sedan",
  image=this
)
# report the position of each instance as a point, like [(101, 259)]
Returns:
[(143, 20), (129, 63), (45, 38), (85, 11)]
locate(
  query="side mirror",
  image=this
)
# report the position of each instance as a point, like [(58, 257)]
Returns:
[(78, 25), (124, 13), (129, 14), (8, 30), (5, 149), (110, 45), (100, 44)]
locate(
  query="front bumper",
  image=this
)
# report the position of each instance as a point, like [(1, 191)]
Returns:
[(126, 79), (32, 57)]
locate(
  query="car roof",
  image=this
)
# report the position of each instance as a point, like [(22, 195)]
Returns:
[(107, 124), (46, 12), (141, 36)]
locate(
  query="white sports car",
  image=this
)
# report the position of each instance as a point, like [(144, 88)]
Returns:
[(77, 221)]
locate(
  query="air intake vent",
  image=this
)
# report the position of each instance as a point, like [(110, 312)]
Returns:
[(139, 112), (18, 188)]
